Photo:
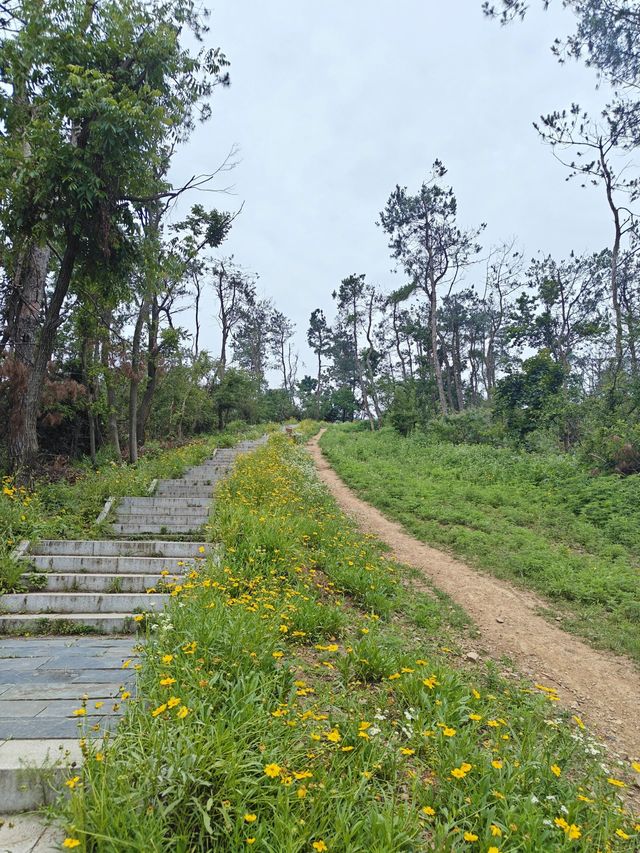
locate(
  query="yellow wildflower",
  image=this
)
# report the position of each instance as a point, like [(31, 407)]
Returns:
[(70, 843), (555, 770), (319, 846), (272, 770), (251, 818)]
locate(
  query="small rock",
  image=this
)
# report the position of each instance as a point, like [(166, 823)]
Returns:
[(474, 656), (499, 619)]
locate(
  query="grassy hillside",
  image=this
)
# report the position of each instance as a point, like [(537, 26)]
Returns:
[(541, 521), (297, 697)]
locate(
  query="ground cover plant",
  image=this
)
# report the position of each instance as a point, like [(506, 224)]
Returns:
[(540, 520), (68, 508), (298, 695)]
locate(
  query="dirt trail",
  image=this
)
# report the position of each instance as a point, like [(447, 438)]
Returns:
[(602, 688)]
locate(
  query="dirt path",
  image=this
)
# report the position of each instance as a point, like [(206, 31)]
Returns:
[(602, 688)]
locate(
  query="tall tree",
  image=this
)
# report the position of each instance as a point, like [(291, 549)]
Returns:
[(89, 92), (425, 239), (319, 339), (251, 338), (351, 299), (234, 290), (593, 148)]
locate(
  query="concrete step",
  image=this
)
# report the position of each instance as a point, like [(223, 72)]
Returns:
[(120, 548), (46, 603), (180, 504), (204, 480), (33, 771), (80, 582), (183, 490), (61, 623), (63, 563), (140, 529), (196, 515)]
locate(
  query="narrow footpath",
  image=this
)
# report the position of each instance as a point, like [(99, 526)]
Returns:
[(602, 688)]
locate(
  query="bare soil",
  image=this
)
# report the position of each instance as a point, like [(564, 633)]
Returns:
[(602, 688)]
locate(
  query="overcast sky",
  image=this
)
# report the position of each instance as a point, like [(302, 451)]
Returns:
[(331, 104)]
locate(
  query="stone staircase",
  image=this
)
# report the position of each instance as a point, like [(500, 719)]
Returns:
[(96, 588), (100, 585)]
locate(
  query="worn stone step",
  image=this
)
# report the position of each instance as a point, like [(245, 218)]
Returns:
[(164, 502), (146, 517), (134, 529), (81, 582), (33, 771), (47, 623), (183, 490), (110, 565), (79, 602), (120, 548)]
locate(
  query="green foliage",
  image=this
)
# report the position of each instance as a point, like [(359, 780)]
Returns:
[(540, 520), (472, 426), (522, 398), (236, 396), (272, 707), (404, 414)]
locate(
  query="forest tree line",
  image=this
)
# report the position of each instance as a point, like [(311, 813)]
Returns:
[(481, 344), (97, 279), (96, 99)]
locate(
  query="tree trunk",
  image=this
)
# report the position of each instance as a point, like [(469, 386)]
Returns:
[(433, 321), (25, 301), (22, 439), (135, 382), (457, 368), (144, 409), (112, 418), (318, 385)]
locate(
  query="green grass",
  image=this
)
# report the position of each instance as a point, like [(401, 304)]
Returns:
[(298, 696), (68, 509), (541, 521)]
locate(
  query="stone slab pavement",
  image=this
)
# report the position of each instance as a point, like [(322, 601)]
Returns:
[(28, 833), (44, 679)]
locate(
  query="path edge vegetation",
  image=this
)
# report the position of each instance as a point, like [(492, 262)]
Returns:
[(299, 695), (540, 522)]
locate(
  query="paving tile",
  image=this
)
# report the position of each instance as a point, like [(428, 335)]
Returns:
[(44, 677), (29, 834), (106, 675), (13, 664), (65, 708), (21, 707), (61, 691), (35, 728), (41, 752)]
